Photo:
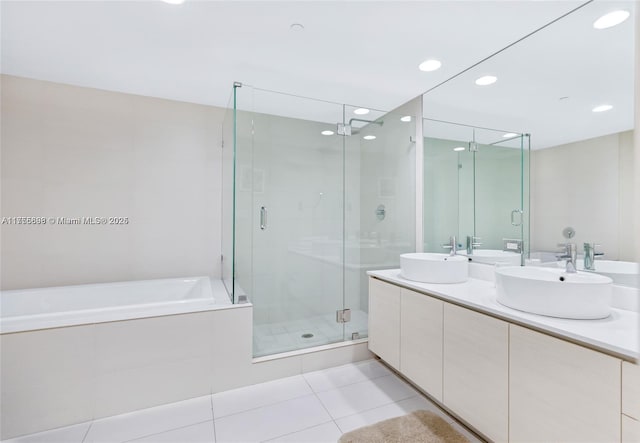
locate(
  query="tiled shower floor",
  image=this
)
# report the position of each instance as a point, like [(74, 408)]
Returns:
[(273, 338), (314, 407)]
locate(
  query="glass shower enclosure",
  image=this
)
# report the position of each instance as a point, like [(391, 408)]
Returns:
[(315, 193)]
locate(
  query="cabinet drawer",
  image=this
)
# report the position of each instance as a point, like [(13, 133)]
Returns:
[(384, 321), (421, 341), (560, 391), (476, 370)]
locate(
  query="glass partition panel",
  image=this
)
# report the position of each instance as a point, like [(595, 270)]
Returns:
[(289, 218), (228, 192), (499, 213), (448, 183), (379, 200)]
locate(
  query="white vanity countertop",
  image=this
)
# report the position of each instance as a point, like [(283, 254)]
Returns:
[(617, 335)]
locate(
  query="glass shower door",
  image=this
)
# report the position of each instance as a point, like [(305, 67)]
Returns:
[(501, 212), (290, 183)]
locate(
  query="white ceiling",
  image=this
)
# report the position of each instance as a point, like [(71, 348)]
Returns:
[(567, 59), (358, 52)]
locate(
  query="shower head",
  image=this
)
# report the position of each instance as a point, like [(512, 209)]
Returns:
[(357, 130), (348, 129), (373, 122)]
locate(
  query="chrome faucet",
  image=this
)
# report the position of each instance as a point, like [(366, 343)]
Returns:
[(452, 245), (570, 254), (590, 255), (472, 243)]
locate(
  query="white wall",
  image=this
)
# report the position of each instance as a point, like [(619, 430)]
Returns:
[(70, 152), (587, 185), (387, 177)]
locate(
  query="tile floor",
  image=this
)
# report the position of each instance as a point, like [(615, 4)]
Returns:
[(276, 337), (315, 407)]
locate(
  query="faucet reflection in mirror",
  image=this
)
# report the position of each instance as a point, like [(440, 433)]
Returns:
[(589, 256), (570, 254)]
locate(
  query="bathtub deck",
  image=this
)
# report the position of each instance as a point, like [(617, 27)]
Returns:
[(213, 299), (316, 406)]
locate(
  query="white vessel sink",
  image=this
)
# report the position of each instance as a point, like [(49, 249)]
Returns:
[(430, 267), (494, 256), (554, 292), (621, 272)]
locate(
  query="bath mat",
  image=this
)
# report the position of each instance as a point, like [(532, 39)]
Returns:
[(417, 427)]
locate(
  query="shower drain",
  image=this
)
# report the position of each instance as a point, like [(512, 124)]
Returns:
[(307, 335)]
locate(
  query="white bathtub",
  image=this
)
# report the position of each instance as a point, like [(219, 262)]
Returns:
[(78, 353), (42, 308)]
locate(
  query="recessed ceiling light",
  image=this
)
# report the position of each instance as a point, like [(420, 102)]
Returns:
[(459, 148), (510, 134), (486, 80), (611, 19), (369, 137), (602, 108), (296, 27), (327, 132), (361, 111), (430, 65), (406, 118), (174, 2)]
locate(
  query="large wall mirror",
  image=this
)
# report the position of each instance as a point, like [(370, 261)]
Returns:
[(570, 86)]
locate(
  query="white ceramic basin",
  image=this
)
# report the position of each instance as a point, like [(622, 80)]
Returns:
[(430, 267), (554, 292), (494, 256), (621, 272)]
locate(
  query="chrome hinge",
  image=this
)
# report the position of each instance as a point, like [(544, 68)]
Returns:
[(343, 129), (343, 316)]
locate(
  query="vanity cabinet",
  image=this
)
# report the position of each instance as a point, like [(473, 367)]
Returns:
[(509, 382), (421, 341), (476, 370), (384, 321), (560, 391)]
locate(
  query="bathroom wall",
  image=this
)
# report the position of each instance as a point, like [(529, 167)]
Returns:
[(78, 152), (588, 185)]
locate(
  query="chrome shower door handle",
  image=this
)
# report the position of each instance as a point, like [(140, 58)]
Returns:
[(513, 218), (263, 218)]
